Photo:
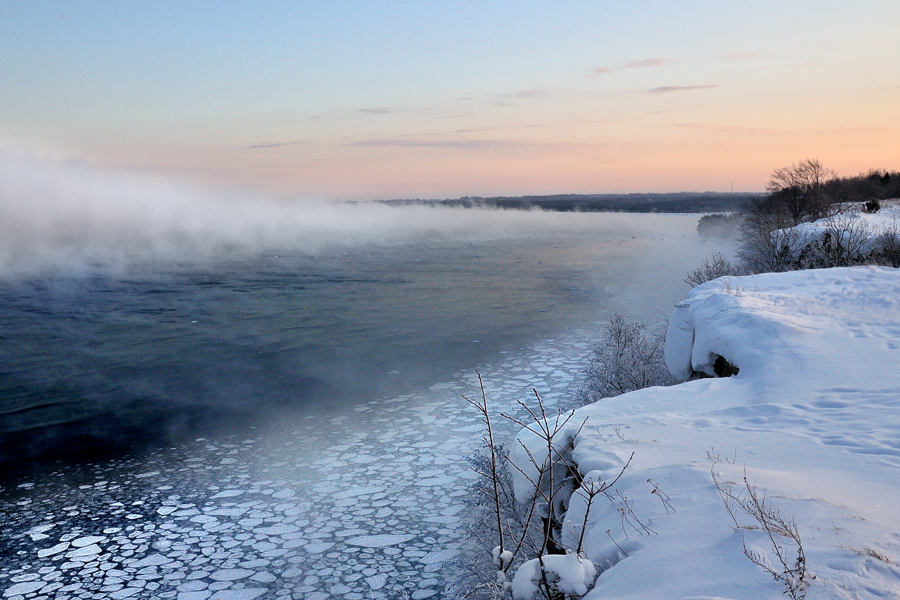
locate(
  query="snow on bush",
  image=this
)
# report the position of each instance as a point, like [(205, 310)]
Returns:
[(567, 574)]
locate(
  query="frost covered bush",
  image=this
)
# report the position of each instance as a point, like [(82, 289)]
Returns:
[(628, 359), (844, 240), (712, 268)]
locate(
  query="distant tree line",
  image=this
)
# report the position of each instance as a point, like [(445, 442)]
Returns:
[(680, 202)]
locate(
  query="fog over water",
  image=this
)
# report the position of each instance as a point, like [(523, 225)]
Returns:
[(136, 313), (65, 218), (233, 397)]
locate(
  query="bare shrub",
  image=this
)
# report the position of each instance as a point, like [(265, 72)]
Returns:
[(496, 521), (769, 244), (806, 192), (847, 241), (627, 359), (527, 537), (781, 533), (712, 268), (887, 246)]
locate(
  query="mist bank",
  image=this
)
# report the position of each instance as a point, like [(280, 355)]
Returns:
[(63, 218)]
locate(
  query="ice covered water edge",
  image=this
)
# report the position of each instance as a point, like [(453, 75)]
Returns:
[(277, 513), (365, 501)]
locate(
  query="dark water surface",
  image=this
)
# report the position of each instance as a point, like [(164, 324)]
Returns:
[(106, 360)]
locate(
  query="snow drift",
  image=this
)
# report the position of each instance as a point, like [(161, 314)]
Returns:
[(810, 423)]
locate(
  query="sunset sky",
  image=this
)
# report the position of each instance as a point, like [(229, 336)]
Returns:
[(443, 99)]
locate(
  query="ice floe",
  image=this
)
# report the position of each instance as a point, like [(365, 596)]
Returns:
[(321, 509)]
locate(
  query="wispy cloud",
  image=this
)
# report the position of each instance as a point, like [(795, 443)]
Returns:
[(391, 110), (650, 62), (739, 56), (729, 128), (504, 128), (533, 93), (276, 144), (634, 64), (668, 89), (530, 94), (444, 144)]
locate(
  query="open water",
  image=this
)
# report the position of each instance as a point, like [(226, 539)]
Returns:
[(288, 424)]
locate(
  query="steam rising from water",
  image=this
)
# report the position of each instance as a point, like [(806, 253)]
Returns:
[(67, 217), (191, 317)]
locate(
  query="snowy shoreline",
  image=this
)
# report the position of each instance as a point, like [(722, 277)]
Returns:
[(810, 420)]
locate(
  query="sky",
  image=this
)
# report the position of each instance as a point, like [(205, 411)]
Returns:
[(359, 100)]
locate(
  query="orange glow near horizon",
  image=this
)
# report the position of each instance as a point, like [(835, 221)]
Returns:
[(454, 100)]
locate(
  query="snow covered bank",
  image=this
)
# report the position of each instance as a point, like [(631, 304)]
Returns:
[(811, 418), (873, 223), (849, 238)]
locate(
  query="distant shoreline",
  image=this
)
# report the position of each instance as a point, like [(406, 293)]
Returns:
[(678, 202)]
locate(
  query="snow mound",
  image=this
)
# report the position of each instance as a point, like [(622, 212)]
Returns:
[(810, 423), (568, 574)]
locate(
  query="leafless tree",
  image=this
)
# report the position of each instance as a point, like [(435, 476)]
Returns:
[(800, 190), (796, 194)]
